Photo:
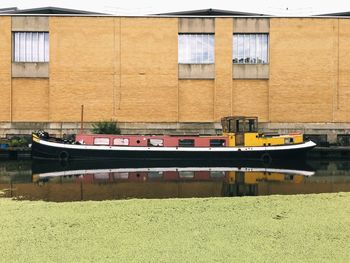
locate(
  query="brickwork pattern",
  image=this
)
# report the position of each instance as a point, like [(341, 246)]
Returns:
[(30, 99), (5, 68), (126, 68)]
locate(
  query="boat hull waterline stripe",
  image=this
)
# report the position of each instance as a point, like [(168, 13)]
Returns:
[(307, 144)]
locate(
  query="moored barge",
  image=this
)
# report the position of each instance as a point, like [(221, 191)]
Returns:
[(240, 141)]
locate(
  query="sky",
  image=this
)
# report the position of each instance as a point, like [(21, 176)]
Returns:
[(139, 7)]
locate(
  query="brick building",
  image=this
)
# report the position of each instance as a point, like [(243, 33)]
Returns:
[(174, 71)]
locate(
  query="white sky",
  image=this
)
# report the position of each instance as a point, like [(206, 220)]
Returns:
[(139, 7)]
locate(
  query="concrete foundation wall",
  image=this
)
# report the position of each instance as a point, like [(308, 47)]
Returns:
[(329, 131)]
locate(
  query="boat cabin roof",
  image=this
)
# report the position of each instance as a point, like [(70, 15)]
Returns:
[(239, 124)]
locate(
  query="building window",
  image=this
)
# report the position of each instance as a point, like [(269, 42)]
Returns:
[(30, 46), (250, 48), (196, 48)]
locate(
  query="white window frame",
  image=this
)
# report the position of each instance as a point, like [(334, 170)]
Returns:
[(243, 53), (30, 46), (196, 48)]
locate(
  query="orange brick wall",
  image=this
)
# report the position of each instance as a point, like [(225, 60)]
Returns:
[(302, 66), (223, 67), (126, 68), (82, 59), (30, 99), (149, 84), (196, 100), (250, 98), (342, 92), (5, 68)]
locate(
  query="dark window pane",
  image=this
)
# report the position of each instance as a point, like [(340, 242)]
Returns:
[(217, 143), (186, 143)]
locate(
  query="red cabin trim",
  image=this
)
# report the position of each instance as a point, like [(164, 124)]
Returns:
[(150, 140)]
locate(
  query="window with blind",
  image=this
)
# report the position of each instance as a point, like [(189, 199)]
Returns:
[(196, 48), (30, 46), (250, 48)]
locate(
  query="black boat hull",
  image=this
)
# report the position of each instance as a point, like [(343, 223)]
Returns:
[(42, 149)]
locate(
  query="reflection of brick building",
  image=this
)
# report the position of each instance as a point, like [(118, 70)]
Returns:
[(283, 70)]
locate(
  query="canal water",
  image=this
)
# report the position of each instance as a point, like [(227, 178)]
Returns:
[(58, 182)]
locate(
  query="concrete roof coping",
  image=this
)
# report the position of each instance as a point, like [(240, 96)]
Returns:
[(172, 16)]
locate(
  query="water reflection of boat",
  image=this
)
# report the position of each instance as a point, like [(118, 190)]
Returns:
[(100, 180), (54, 166), (174, 173), (76, 181), (170, 182)]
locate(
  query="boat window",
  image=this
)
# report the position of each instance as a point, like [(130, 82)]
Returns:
[(155, 142), (251, 125), (101, 141), (186, 143), (239, 125), (155, 175), (186, 174), (231, 126), (121, 141), (121, 175), (240, 176), (288, 140), (217, 143), (101, 176), (217, 174)]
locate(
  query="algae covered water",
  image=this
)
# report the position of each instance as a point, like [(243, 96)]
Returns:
[(100, 181), (219, 228), (289, 228)]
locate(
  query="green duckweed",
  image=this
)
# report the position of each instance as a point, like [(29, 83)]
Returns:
[(299, 228)]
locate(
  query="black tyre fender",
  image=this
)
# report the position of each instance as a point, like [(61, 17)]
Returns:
[(266, 158), (63, 156)]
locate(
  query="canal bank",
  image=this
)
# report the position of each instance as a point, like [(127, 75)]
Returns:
[(15, 153), (300, 228)]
